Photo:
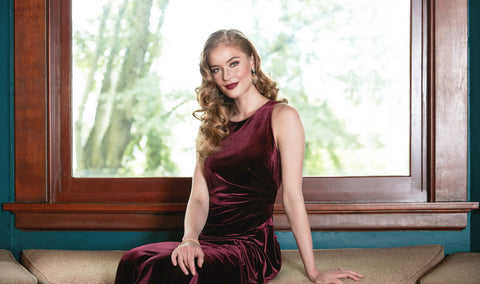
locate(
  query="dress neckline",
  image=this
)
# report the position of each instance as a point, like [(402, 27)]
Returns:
[(251, 115)]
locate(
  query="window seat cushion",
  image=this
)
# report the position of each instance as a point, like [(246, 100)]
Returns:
[(72, 266), (460, 267), (379, 265), (12, 272)]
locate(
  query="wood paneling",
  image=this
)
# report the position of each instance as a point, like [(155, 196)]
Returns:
[(30, 101), (379, 216), (451, 99)]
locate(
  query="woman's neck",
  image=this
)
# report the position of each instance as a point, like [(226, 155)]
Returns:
[(245, 107)]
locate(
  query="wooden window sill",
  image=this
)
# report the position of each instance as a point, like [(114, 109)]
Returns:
[(344, 217)]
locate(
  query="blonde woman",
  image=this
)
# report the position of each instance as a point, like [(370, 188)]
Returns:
[(249, 145)]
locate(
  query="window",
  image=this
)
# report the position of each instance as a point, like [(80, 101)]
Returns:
[(45, 187), (132, 121), (345, 65)]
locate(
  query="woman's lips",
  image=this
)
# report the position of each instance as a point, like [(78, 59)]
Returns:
[(231, 86)]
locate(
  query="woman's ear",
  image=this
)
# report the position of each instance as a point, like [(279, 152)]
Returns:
[(252, 62)]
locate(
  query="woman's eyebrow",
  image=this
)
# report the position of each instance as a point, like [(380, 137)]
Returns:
[(233, 58)]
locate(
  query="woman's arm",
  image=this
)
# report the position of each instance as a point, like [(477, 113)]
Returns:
[(290, 139), (197, 206), (195, 217)]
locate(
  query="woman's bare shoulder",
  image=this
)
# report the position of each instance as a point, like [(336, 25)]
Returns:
[(283, 112), (286, 121)]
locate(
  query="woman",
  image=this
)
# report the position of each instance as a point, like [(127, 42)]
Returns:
[(245, 132)]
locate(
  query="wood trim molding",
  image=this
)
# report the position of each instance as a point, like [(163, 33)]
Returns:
[(169, 216), (30, 102), (451, 99), (65, 188)]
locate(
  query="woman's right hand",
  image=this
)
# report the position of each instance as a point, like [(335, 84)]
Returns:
[(185, 254)]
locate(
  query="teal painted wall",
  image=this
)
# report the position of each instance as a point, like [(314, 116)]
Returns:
[(474, 95), (15, 240), (6, 120)]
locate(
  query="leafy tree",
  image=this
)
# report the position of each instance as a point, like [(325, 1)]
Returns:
[(122, 58), (326, 135), (132, 129)]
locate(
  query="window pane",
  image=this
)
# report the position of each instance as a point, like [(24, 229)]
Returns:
[(343, 64)]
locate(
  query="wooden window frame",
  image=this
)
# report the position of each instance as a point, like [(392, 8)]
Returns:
[(433, 197)]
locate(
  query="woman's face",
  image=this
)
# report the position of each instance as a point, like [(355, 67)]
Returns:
[(231, 70)]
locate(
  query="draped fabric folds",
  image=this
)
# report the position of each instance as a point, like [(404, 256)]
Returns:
[(238, 239)]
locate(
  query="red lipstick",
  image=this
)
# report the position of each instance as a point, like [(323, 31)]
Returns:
[(231, 86)]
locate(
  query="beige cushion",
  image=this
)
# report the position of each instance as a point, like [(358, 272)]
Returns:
[(69, 266), (460, 267), (378, 265), (12, 272)]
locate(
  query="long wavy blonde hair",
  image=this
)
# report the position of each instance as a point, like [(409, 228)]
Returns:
[(215, 107)]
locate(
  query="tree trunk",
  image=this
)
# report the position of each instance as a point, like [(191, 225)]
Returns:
[(100, 49), (92, 157), (118, 133)]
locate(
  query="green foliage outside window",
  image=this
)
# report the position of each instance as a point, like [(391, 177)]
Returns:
[(130, 120)]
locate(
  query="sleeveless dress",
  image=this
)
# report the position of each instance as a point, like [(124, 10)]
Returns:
[(238, 239)]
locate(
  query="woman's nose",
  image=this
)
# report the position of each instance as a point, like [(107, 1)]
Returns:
[(227, 74)]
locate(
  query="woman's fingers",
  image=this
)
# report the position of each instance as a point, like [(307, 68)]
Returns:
[(191, 262), (200, 258), (181, 263), (336, 276), (174, 257), (184, 257), (178, 259), (345, 273)]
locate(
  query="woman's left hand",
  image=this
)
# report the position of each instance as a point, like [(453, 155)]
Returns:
[(334, 276)]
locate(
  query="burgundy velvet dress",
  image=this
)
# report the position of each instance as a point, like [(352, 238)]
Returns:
[(238, 239)]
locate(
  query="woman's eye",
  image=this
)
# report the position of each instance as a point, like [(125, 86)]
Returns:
[(215, 70), (234, 64)]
